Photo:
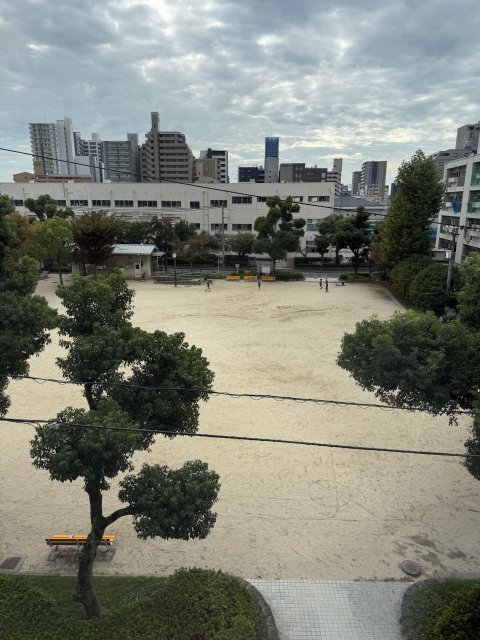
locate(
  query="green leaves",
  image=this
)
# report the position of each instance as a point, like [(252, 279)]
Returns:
[(469, 295), (172, 503), (94, 454), (278, 232), (414, 361)]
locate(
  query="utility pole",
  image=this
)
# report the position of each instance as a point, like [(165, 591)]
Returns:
[(223, 237), (453, 229)]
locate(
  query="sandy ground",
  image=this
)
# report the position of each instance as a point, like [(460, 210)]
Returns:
[(284, 511)]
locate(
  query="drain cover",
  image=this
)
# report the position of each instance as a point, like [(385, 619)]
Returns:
[(411, 568), (11, 564)]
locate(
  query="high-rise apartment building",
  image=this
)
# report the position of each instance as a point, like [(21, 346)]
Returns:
[(165, 155), (121, 159), (335, 175), (66, 146), (271, 159), (221, 156), (44, 143), (206, 170), (356, 181), (468, 137), (372, 183)]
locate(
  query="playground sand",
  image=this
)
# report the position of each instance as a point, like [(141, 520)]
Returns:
[(284, 511)]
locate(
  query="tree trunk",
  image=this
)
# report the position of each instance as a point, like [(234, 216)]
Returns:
[(92, 405), (355, 263), (60, 275), (84, 592), (337, 251)]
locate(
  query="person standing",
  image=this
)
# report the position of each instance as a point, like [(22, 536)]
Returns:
[(259, 281), (326, 285), (321, 283)]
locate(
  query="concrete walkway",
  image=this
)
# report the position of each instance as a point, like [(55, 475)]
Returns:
[(311, 610)]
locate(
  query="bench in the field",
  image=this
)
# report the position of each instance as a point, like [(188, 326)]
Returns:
[(76, 540)]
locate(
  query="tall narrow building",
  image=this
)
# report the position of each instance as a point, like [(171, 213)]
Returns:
[(356, 181), (121, 159), (271, 159), (44, 144), (372, 184), (66, 146), (165, 155)]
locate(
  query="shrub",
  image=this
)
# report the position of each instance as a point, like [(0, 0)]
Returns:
[(208, 605), (23, 608), (288, 275), (427, 291), (461, 620)]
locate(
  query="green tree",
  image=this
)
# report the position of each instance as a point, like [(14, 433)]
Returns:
[(185, 230), (199, 247), (53, 240), (427, 291), (45, 207), (134, 232), (162, 234), (327, 233), (22, 231), (354, 233), (469, 294), (240, 243), (278, 232), (94, 235), (25, 319), (404, 272), (414, 361), (414, 207), (169, 378)]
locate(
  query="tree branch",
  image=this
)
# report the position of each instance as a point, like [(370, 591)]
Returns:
[(119, 513)]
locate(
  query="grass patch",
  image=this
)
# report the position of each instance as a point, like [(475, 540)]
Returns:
[(192, 604), (430, 602)]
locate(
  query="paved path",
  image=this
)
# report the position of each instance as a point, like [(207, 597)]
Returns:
[(308, 610)]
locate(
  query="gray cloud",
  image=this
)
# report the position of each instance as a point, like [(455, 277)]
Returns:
[(358, 80)]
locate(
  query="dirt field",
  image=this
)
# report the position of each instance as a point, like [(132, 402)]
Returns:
[(284, 511)]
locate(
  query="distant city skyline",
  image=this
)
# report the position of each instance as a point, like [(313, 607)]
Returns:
[(324, 79)]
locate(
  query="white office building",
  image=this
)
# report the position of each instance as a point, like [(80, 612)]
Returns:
[(200, 205), (459, 217)]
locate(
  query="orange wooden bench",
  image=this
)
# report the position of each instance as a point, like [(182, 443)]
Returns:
[(77, 540)]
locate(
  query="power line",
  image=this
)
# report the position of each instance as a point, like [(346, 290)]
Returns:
[(233, 394), (72, 425)]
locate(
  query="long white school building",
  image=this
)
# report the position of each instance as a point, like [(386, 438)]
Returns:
[(200, 205)]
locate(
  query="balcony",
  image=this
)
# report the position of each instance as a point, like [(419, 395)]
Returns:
[(474, 206)]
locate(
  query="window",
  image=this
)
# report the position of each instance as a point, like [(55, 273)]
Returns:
[(217, 227), (18, 203), (218, 203), (241, 199), (171, 204), (61, 203), (312, 227), (101, 203), (79, 203), (262, 198), (194, 204), (147, 203), (319, 198), (195, 225), (298, 198), (124, 203), (241, 227)]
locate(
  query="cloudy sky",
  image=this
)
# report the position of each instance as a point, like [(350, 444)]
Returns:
[(362, 80)]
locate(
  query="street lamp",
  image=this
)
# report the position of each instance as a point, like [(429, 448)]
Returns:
[(174, 256)]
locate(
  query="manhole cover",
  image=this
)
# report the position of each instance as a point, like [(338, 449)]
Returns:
[(411, 568), (13, 563)]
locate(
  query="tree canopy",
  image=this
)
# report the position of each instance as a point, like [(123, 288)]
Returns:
[(354, 233), (141, 381), (241, 243), (278, 232), (327, 235), (94, 235), (45, 207), (414, 361), (25, 319), (414, 207), (53, 240), (469, 294)]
